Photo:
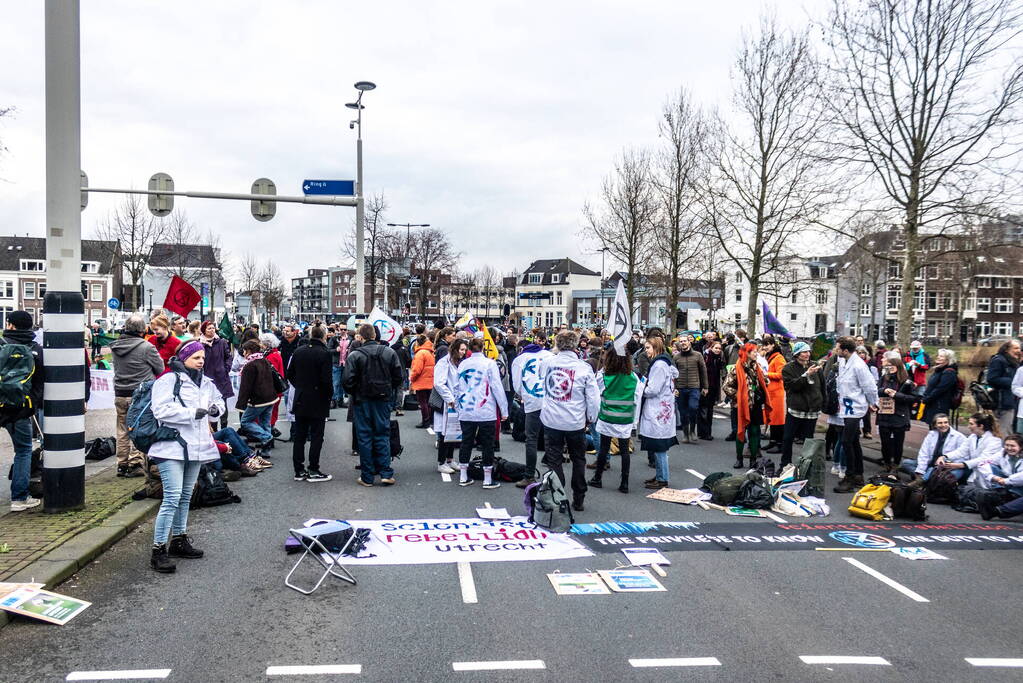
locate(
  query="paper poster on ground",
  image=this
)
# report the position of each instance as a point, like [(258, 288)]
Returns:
[(643, 556), (588, 583), (40, 604), (631, 580), (680, 496)]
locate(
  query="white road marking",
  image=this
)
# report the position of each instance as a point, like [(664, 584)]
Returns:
[(313, 669), (696, 474), (841, 659), (771, 515), (994, 661), (124, 675), (445, 477), (468, 585), (499, 665), (676, 661), (912, 595)]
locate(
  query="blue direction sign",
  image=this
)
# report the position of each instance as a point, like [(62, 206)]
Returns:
[(333, 187), (113, 304)]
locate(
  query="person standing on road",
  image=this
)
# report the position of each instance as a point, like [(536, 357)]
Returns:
[(941, 385), (1017, 391), (621, 397), (571, 402), (372, 374), (217, 365), (310, 374), (657, 418), (690, 385), (135, 361), (750, 404), (166, 343), (182, 398), (339, 347), (480, 401), (803, 398), (18, 421), (269, 343), (289, 343), (713, 358), (445, 378), (1001, 370), (894, 410), (775, 414), (857, 393), (421, 378), (529, 386), (917, 364)]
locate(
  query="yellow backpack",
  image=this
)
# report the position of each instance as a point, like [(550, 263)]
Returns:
[(870, 501)]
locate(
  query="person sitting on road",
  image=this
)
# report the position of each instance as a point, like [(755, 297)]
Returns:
[(621, 397), (1005, 476), (940, 442), (256, 394), (236, 455), (182, 398), (982, 446), (480, 400)]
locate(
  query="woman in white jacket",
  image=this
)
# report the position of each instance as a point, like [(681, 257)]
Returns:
[(983, 446), (445, 376), (621, 398), (183, 398), (480, 401), (657, 421)]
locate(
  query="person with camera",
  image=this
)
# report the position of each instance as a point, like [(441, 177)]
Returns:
[(804, 396), (184, 399)]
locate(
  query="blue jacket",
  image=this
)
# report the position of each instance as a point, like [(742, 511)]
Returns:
[(1000, 371)]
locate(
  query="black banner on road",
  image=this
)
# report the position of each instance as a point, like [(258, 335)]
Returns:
[(610, 537)]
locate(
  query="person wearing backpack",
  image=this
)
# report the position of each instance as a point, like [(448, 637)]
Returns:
[(135, 361), (941, 385), (23, 358), (896, 398), (372, 373), (310, 374), (183, 399), (480, 401), (657, 417), (802, 381), (621, 398), (1000, 372), (570, 403), (528, 383), (257, 394)]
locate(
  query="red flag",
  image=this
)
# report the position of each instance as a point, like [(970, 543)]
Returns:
[(181, 297)]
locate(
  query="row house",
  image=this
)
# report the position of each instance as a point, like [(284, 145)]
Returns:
[(199, 265), (395, 292), (544, 292), (490, 302), (695, 308)]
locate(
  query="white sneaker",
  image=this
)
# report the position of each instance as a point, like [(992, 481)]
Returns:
[(28, 503), (835, 469), (445, 468)]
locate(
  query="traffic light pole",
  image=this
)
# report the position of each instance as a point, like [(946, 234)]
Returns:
[(63, 307)]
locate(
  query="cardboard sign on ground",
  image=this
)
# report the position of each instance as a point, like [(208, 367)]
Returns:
[(29, 600)]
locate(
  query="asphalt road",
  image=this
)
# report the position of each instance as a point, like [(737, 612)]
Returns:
[(743, 615)]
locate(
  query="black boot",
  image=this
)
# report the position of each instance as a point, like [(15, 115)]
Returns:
[(624, 486), (577, 504), (181, 546), (595, 480), (160, 562)]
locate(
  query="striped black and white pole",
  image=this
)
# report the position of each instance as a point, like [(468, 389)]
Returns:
[(63, 307)]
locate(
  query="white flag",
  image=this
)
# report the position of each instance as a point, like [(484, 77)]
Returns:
[(388, 328), (621, 321)]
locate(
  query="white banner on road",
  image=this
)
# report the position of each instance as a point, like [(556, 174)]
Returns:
[(435, 541)]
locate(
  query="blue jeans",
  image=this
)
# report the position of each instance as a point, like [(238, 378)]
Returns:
[(661, 466), (336, 373), (372, 421), (178, 477), (21, 438), (256, 422), (909, 466), (688, 404), (240, 451)]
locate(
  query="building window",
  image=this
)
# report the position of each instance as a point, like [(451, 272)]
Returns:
[(793, 317), (738, 296), (983, 304), (534, 278), (1003, 283), (1003, 305), (97, 292), (7, 291), (867, 289), (894, 270), (555, 278), (865, 308), (32, 313), (932, 301), (1003, 328), (90, 267), (32, 265), (29, 290), (983, 328), (983, 282), (738, 276), (893, 298), (558, 298), (822, 296)]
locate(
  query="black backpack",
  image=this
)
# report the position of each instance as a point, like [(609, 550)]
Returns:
[(506, 470), (907, 502), (100, 448), (211, 490), (941, 486), (754, 493), (375, 382), (984, 395), (765, 466), (830, 406)]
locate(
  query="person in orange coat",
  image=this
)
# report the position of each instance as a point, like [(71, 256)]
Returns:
[(775, 416), (751, 402), (421, 379)]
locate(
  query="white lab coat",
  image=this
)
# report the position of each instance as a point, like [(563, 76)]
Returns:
[(527, 380), (571, 399), (1017, 390), (857, 389), (658, 416), (953, 441), (617, 430), (171, 413), (479, 394), (977, 449)]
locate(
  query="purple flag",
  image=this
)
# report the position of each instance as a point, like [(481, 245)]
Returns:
[(773, 326)]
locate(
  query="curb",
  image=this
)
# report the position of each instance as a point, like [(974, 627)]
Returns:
[(59, 564)]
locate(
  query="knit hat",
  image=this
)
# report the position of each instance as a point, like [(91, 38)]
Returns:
[(203, 325), (189, 348), (799, 347)]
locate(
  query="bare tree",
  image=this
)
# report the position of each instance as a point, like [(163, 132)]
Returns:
[(185, 257), (624, 220), (677, 163), (913, 96), (431, 253), (488, 284), (249, 278), (132, 229), (381, 245), (4, 111), (767, 183), (215, 271), (272, 288)]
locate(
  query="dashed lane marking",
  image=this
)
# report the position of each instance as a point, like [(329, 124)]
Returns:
[(696, 474), (445, 477), (467, 582), (499, 665), (771, 515), (122, 675), (912, 595), (313, 669), (842, 659), (675, 661), (996, 662)]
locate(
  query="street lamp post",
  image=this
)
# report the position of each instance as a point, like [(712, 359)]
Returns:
[(360, 205)]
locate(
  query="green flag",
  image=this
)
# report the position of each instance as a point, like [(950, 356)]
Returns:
[(226, 329)]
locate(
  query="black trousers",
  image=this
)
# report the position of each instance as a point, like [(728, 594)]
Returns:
[(891, 444), (445, 450), (604, 454), (557, 441), (486, 432), (795, 428), (307, 429), (851, 448), (705, 416)]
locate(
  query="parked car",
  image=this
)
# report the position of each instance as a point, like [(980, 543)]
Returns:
[(994, 340)]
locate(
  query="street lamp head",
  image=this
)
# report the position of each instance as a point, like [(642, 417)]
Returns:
[(365, 85), (354, 105)]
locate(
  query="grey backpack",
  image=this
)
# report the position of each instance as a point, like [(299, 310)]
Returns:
[(550, 508), (810, 467)]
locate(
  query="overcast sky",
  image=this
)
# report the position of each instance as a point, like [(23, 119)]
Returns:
[(493, 121)]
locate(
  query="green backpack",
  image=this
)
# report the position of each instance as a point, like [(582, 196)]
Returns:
[(810, 467), (726, 489), (16, 369)]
